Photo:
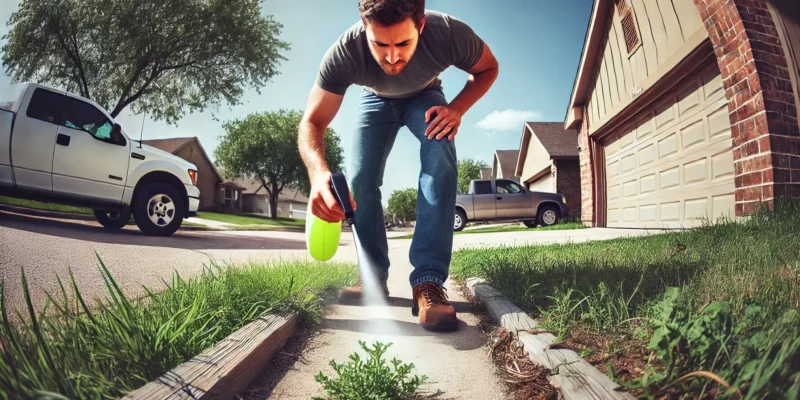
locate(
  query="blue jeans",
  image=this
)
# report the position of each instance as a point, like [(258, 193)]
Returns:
[(378, 123)]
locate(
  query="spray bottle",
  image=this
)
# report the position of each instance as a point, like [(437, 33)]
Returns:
[(322, 237)]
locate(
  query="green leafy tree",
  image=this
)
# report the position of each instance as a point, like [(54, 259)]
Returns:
[(404, 204), (468, 169), (162, 57), (264, 147)]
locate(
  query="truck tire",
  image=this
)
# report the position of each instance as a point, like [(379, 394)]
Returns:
[(530, 224), (460, 221), (158, 209), (548, 216), (113, 220)]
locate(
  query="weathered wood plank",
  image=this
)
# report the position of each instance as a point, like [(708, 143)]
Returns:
[(228, 367), (506, 313), (646, 36), (576, 378), (654, 17)]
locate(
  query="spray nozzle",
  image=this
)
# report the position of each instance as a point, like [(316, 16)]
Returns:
[(342, 193)]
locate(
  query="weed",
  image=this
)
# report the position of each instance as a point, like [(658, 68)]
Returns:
[(372, 379)]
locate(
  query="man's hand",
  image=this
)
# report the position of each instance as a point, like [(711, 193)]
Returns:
[(323, 201), (445, 123)]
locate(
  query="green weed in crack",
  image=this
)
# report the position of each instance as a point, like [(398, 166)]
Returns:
[(373, 379)]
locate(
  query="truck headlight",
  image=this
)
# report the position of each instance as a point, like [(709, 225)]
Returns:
[(193, 175)]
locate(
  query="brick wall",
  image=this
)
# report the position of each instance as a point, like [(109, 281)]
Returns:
[(763, 116), (586, 177), (568, 183)]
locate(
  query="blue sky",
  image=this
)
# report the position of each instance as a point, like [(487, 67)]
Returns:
[(537, 43)]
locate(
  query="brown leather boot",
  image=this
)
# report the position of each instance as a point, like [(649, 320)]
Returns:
[(355, 293), (433, 308)]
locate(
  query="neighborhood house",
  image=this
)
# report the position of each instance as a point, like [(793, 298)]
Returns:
[(686, 110), (291, 202), (503, 164), (215, 193), (548, 161)]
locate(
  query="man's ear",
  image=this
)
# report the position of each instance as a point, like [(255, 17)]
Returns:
[(422, 24)]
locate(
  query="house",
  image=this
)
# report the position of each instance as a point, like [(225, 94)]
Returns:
[(291, 202), (486, 173), (215, 193), (687, 110), (504, 163), (548, 161)]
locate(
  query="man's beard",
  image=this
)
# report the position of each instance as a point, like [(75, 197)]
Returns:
[(393, 69)]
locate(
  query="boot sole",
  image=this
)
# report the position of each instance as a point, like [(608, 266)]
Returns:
[(445, 325)]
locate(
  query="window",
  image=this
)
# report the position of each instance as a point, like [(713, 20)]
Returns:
[(629, 28), (483, 187), (85, 117), (46, 106), (508, 187)]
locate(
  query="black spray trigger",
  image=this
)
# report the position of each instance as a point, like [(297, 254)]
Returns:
[(342, 192)]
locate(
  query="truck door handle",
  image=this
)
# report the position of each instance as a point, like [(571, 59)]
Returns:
[(63, 139), (499, 198)]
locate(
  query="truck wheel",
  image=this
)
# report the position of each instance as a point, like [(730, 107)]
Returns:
[(158, 209), (113, 220), (529, 224), (548, 216), (460, 222)]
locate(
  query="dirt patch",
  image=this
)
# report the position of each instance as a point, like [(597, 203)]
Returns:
[(523, 379), (283, 362)]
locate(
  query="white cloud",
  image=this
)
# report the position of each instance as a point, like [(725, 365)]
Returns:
[(507, 120)]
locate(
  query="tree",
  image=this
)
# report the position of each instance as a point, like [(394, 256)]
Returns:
[(162, 57), (404, 204), (468, 169), (264, 147)]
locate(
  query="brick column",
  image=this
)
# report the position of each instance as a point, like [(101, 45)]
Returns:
[(755, 73), (587, 174)]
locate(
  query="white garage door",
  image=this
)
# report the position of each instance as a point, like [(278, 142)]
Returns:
[(673, 167), (543, 184)]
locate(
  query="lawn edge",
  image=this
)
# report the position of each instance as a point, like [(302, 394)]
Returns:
[(85, 217), (574, 376), (228, 368), (45, 213)]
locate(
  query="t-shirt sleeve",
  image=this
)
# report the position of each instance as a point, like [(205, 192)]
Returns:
[(336, 71), (466, 47)]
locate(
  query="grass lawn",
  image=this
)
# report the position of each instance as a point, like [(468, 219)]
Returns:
[(251, 219), (110, 350), (511, 228), (650, 310), (38, 205)]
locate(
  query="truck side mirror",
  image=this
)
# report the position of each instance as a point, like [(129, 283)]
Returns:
[(116, 135)]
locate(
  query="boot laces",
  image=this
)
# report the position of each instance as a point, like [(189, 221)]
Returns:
[(435, 294)]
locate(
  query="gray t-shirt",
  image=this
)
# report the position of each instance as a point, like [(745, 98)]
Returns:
[(444, 41)]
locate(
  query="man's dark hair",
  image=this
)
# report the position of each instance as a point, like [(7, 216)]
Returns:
[(390, 12)]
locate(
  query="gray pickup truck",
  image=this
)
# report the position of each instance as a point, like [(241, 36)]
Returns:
[(504, 200)]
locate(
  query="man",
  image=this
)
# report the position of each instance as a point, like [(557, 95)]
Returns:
[(396, 52)]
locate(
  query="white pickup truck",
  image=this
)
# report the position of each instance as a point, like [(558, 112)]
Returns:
[(62, 148)]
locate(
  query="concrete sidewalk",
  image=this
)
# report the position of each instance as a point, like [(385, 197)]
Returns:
[(456, 362)]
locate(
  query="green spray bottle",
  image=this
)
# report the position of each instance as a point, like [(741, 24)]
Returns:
[(322, 237)]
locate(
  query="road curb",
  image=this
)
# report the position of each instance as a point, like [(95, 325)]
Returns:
[(45, 213), (226, 369), (574, 376)]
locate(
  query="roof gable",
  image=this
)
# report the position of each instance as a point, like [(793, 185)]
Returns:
[(507, 160), (557, 141), (174, 145)]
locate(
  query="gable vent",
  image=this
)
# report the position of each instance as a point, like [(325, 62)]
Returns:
[(628, 23)]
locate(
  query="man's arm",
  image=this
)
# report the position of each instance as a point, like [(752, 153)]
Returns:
[(321, 108), (448, 119)]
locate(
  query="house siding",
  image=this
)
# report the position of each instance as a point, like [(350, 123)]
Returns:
[(568, 183), (207, 179), (536, 160), (667, 29)]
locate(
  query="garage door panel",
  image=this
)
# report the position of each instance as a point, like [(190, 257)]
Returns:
[(674, 168)]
